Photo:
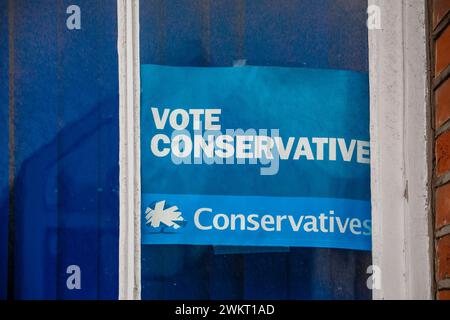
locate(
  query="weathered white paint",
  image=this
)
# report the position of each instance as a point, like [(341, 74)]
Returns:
[(130, 186), (399, 157)]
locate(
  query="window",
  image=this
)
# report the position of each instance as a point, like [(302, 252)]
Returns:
[(73, 218)]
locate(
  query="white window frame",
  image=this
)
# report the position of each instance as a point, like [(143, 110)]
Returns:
[(400, 157), (129, 150)]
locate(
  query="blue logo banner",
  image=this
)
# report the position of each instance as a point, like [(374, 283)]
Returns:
[(257, 221), (255, 156)]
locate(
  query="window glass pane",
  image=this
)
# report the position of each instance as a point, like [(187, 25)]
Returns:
[(4, 153), (62, 148), (64, 159), (325, 34)]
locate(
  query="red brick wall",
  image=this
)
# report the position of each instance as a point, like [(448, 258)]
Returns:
[(440, 85)]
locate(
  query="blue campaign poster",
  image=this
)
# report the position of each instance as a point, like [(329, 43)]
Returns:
[(255, 156)]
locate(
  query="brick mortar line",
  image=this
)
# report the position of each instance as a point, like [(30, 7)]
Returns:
[(440, 181), (444, 284), (445, 21), (443, 231), (442, 129), (441, 77)]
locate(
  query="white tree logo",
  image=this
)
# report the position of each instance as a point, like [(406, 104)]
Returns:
[(158, 217)]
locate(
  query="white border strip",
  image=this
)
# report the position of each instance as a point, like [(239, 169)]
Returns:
[(399, 158), (129, 154)]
